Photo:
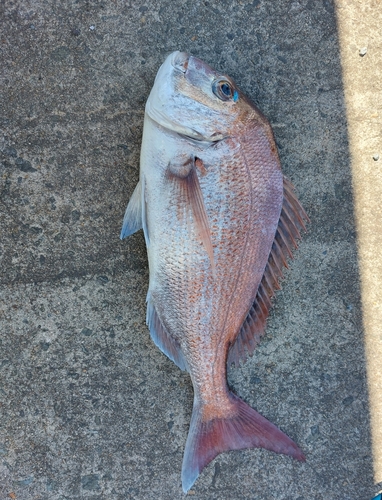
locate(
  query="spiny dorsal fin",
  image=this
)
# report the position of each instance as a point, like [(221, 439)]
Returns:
[(292, 221)]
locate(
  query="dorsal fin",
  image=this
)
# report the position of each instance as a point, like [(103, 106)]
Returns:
[(292, 221)]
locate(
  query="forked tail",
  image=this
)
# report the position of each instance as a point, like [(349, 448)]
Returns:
[(247, 429)]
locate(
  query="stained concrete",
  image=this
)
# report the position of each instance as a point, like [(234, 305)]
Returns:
[(89, 407)]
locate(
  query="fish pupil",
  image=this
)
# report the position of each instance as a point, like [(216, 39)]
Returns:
[(226, 89)]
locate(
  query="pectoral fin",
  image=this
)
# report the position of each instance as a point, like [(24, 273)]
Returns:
[(132, 220), (186, 180)]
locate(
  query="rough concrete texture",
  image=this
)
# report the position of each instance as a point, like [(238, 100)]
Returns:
[(89, 407), (361, 58)]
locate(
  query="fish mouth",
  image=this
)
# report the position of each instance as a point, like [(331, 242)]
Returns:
[(184, 132), (179, 61), (213, 139)]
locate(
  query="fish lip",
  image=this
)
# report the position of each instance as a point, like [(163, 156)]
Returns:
[(199, 138), (184, 132), (179, 61)]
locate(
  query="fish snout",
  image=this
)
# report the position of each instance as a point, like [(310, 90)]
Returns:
[(180, 61)]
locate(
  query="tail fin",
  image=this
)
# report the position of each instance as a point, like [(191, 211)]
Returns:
[(247, 429)]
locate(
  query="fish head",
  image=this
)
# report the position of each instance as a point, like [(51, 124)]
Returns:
[(192, 99)]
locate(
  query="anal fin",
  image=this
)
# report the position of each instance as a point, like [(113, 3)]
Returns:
[(161, 337), (292, 220)]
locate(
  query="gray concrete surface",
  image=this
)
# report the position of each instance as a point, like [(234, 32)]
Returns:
[(89, 407)]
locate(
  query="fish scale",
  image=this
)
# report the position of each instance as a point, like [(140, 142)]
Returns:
[(219, 222), (212, 295)]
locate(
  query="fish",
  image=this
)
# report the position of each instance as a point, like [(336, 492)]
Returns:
[(220, 222)]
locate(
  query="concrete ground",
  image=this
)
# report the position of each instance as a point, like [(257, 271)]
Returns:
[(89, 407)]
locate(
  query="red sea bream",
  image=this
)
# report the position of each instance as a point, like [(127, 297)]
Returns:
[(219, 221)]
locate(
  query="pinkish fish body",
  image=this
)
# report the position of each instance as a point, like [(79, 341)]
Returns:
[(219, 221)]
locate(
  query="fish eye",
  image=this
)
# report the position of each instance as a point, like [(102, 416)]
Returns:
[(224, 90)]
